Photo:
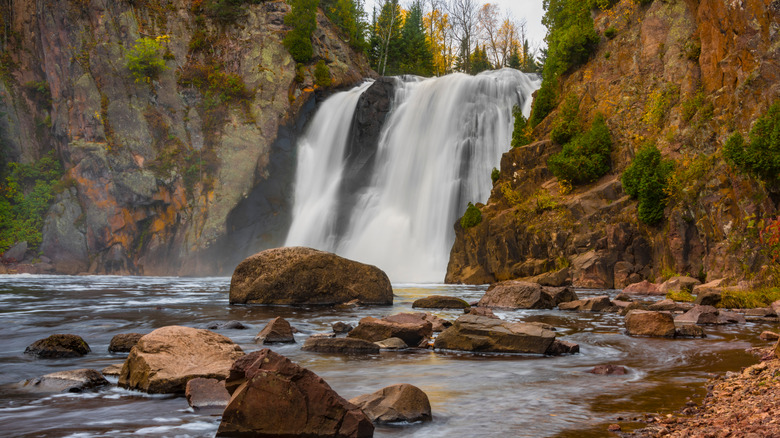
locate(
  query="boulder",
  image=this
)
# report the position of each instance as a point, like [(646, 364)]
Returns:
[(483, 334), (609, 370), (559, 348), (274, 397), (414, 332), (340, 345), (58, 346), (622, 273), (438, 324), (776, 306), (560, 294), (15, 253), (689, 331), (206, 394), (634, 305), (709, 315), (561, 277), (593, 270), (167, 358), (481, 311), (679, 283), (392, 344), (644, 287), (80, 380), (712, 285), (769, 336), (669, 306), (230, 325), (278, 331), (341, 327), (708, 297), (305, 276), (516, 295), (622, 296), (124, 342), (648, 323), (112, 370), (596, 304), (440, 302), (395, 404), (761, 312)]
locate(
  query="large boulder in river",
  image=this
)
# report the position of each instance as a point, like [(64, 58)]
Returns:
[(278, 331), (395, 404), (321, 344), (415, 332), (596, 304), (58, 346), (440, 302), (439, 324), (165, 359), (644, 287), (206, 394), (516, 295), (272, 397), (68, 381), (483, 334), (649, 323), (304, 276)]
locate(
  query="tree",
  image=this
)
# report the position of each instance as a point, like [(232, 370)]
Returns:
[(386, 37), (489, 28), (349, 16), (514, 59), (439, 33), (416, 56), (463, 14), (479, 61), (303, 20)]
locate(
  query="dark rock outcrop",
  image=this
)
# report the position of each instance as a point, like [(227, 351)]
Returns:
[(305, 276), (395, 404), (483, 334), (123, 342), (274, 397), (58, 346), (277, 331), (340, 345), (67, 381), (440, 302)]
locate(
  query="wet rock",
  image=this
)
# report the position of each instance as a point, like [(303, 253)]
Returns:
[(206, 394), (709, 315), (341, 327), (15, 253), (483, 334), (670, 306), (609, 370), (340, 345), (776, 306), (644, 287), (634, 305), (440, 302), (278, 331), (761, 312), (679, 283), (559, 348), (272, 396), (58, 346), (437, 324), (623, 297), (596, 304), (561, 277), (80, 380), (561, 294), (769, 336), (593, 270), (689, 331), (395, 404), (415, 332), (708, 297), (305, 276), (124, 342), (230, 325), (516, 295), (112, 370), (712, 285), (392, 344), (167, 358), (481, 311), (647, 323), (614, 428)]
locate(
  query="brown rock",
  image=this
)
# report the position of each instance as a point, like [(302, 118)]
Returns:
[(670, 306), (480, 333), (595, 304), (623, 271), (559, 348), (777, 349), (516, 295), (679, 283), (392, 344), (112, 370), (339, 345), (206, 393), (689, 331), (561, 277), (761, 312), (634, 305), (58, 346), (776, 307), (230, 325), (712, 285), (647, 323), (560, 294), (273, 397), (614, 428), (413, 331), (481, 311), (769, 336), (593, 270), (80, 380), (304, 276), (709, 315), (165, 359), (278, 331), (440, 302), (609, 370), (438, 324), (623, 297), (123, 342), (643, 288), (341, 327), (708, 297), (394, 404)]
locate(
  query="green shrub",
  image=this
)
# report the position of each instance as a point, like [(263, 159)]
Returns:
[(299, 73), (303, 20), (471, 218), (646, 179), (567, 124), (521, 135), (585, 158), (145, 60), (40, 92), (544, 102), (680, 295), (659, 103), (322, 74), (692, 50), (749, 299), (760, 156), (610, 32), (495, 175)]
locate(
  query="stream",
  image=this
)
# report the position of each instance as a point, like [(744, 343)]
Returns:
[(485, 395)]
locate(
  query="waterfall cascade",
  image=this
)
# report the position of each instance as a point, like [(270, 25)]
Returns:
[(435, 153)]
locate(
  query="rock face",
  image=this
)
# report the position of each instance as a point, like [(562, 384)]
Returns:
[(412, 330), (517, 295), (206, 393), (340, 345), (278, 331), (167, 358), (68, 381), (394, 404), (305, 276), (272, 397), (122, 343), (440, 302), (484, 334), (647, 323), (58, 346)]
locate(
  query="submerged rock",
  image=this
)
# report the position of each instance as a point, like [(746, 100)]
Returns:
[(649, 323), (305, 276), (414, 331), (80, 380), (230, 325), (58, 346), (609, 370), (320, 344), (440, 302), (483, 334), (395, 404), (167, 358), (272, 396), (341, 327), (124, 342), (206, 393), (559, 348), (278, 331), (689, 331)]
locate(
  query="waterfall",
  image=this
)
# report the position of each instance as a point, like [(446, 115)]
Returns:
[(435, 153)]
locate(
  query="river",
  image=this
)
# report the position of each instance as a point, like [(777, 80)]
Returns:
[(485, 395)]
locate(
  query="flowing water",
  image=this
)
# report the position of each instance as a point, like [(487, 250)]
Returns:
[(437, 148), (472, 395)]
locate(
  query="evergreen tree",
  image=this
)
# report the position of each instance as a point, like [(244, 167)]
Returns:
[(514, 59), (479, 61), (348, 15), (303, 20), (416, 56), (386, 44)]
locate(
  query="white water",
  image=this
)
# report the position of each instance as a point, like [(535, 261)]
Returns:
[(436, 151)]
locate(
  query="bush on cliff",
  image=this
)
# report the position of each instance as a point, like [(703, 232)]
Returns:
[(760, 156), (471, 218), (646, 179), (322, 74), (521, 135), (146, 59), (303, 20), (567, 125), (585, 158)]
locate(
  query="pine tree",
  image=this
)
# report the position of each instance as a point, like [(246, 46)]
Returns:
[(479, 61), (514, 58), (386, 38), (416, 56)]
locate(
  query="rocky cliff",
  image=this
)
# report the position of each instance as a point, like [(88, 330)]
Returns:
[(159, 172), (684, 74)]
